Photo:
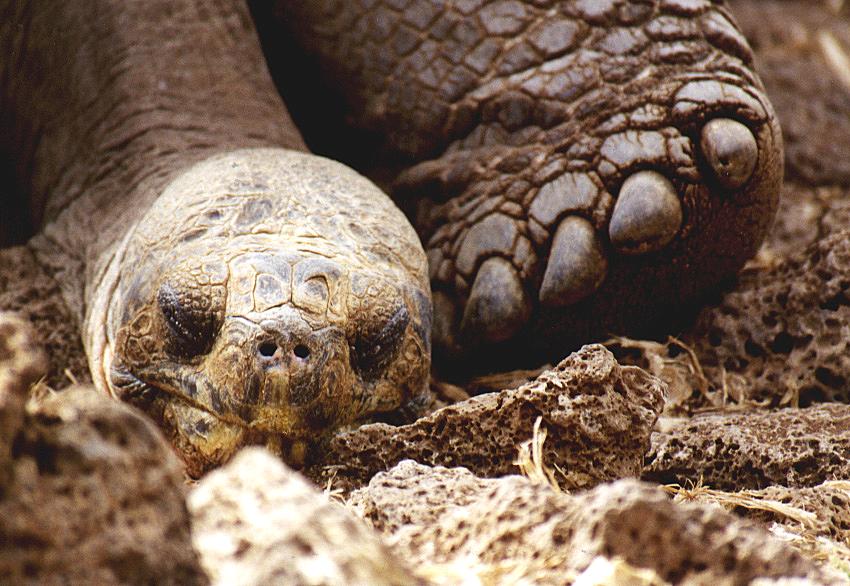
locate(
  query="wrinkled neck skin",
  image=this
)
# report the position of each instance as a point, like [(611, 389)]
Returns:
[(109, 101)]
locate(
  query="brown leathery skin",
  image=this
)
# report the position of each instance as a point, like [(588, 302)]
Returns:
[(516, 115), (238, 291), (261, 298)]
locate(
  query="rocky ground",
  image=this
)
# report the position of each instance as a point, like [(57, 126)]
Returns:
[(719, 456)]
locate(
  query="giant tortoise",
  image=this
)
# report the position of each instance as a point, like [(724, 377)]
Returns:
[(574, 167)]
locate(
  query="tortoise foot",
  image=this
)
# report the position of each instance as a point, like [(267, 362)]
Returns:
[(552, 243), (579, 168)]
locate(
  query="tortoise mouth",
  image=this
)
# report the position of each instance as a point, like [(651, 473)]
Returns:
[(208, 438), (146, 394), (153, 395)]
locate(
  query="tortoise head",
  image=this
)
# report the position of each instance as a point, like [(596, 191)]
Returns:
[(268, 297)]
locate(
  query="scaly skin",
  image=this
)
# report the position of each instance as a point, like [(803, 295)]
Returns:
[(580, 166), (238, 291), (256, 305)]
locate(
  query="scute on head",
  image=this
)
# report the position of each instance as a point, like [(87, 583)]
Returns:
[(269, 297)]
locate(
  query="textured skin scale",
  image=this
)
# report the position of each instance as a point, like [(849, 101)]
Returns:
[(260, 296), (515, 115), (238, 290)]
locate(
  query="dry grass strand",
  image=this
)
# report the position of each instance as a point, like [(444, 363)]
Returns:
[(530, 459)]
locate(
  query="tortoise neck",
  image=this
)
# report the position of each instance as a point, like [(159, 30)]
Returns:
[(107, 101), (104, 96)]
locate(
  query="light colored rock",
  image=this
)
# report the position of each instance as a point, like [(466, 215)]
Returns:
[(605, 572), (819, 527), (754, 449), (598, 415), (780, 338), (550, 536), (829, 504), (95, 496), (22, 363), (255, 521)]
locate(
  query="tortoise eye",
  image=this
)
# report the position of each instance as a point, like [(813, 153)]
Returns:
[(374, 348), (191, 322)]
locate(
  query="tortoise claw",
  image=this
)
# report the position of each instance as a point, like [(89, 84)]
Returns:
[(577, 264), (647, 214), (498, 306), (443, 324), (731, 150)]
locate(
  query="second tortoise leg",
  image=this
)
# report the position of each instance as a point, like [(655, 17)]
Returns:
[(578, 167)]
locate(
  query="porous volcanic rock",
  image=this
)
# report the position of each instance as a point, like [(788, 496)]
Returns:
[(22, 363), (784, 332), (27, 289), (754, 449), (814, 520), (550, 537), (598, 415), (255, 521), (93, 493), (412, 495), (779, 338), (828, 502)]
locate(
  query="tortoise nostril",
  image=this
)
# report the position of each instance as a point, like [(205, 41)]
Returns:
[(301, 351), (268, 349)]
